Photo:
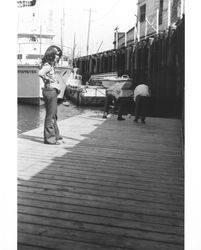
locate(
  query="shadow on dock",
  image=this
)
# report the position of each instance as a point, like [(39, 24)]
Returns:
[(111, 185)]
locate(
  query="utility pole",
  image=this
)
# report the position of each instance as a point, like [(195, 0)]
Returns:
[(138, 22), (169, 12), (138, 30), (40, 39), (125, 38), (74, 45), (62, 29), (63, 24), (89, 25), (157, 21), (182, 9), (135, 29), (145, 28), (116, 37), (61, 38)]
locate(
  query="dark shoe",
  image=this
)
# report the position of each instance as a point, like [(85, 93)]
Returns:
[(55, 143), (105, 116), (121, 118), (135, 120), (142, 121)]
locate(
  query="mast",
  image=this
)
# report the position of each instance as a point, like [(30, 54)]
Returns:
[(182, 9), (157, 21), (62, 21), (116, 36), (169, 12), (40, 39), (73, 48), (89, 25)]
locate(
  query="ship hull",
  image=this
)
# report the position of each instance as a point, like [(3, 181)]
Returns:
[(30, 85), (89, 97)]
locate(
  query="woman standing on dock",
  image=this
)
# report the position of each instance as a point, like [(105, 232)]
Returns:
[(50, 93)]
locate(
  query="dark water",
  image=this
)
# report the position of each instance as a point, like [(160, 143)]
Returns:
[(31, 116)]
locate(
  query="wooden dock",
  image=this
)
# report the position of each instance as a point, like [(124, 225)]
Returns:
[(111, 185)]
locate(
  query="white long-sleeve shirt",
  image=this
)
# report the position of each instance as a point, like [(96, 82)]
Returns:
[(47, 73), (142, 90)]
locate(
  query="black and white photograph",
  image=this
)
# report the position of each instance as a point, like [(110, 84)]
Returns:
[(100, 110)]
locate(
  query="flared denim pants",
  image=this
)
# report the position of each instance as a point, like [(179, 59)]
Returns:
[(51, 130)]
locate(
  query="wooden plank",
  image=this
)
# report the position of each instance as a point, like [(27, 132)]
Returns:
[(54, 243), (103, 239), (130, 194), (100, 170), (138, 179), (112, 212), (80, 222), (129, 203), (98, 203), (111, 185), (59, 183), (62, 244), (35, 205)]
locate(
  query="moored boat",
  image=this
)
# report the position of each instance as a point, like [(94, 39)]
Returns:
[(94, 92), (32, 44), (85, 95), (30, 84)]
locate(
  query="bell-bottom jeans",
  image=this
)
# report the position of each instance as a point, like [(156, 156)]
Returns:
[(51, 130)]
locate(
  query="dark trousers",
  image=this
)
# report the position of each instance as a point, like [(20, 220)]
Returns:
[(51, 130), (117, 103), (141, 107)]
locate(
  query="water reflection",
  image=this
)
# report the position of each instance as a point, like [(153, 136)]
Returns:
[(31, 116)]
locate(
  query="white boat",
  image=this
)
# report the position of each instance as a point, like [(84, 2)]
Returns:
[(30, 85), (31, 47), (84, 95), (124, 80)]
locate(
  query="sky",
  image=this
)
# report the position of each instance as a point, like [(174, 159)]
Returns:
[(105, 17)]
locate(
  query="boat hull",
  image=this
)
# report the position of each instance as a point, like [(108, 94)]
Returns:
[(88, 97), (30, 84)]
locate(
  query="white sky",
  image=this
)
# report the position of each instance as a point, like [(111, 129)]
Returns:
[(105, 16)]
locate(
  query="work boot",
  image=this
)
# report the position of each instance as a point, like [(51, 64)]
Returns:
[(120, 118)]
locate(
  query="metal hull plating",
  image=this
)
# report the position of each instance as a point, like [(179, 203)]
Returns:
[(30, 84)]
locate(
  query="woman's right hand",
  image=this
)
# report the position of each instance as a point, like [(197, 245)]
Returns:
[(46, 81)]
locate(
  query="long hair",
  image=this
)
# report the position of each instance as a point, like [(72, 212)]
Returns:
[(49, 56)]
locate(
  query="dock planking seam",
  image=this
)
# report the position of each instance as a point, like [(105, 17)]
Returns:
[(112, 189), (140, 185), (90, 236), (92, 162), (108, 193), (57, 168), (123, 154), (81, 143), (85, 168), (60, 244), (170, 217), (101, 227), (115, 201), (97, 211)]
